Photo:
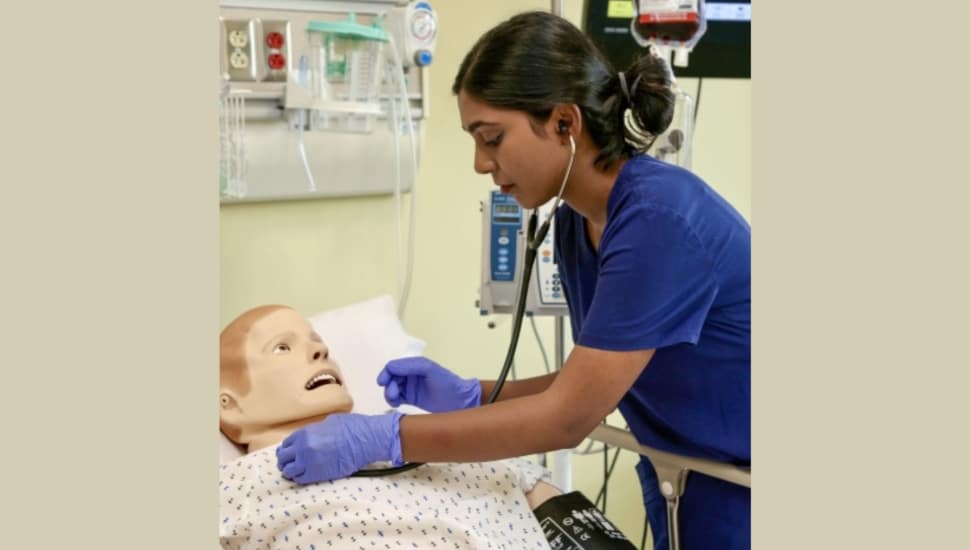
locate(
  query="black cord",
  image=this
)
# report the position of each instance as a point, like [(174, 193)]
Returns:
[(643, 539), (532, 248), (606, 477), (697, 100), (607, 474)]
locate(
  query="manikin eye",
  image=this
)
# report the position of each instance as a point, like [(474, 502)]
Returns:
[(281, 348)]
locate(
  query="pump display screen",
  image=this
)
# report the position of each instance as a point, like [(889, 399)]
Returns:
[(506, 209), (724, 51)]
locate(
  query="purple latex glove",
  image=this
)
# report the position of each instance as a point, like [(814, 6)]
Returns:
[(338, 446), (422, 382)]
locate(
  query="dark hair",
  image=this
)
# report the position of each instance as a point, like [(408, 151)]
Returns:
[(535, 60)]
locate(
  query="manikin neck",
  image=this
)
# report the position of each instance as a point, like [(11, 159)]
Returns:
[(274, 435)]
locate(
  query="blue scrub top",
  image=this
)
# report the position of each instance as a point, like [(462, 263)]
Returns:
[(673, 273)]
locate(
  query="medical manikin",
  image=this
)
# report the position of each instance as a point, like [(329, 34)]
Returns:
[(276, 375)]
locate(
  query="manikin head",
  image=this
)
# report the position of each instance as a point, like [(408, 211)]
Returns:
[(275, 376)]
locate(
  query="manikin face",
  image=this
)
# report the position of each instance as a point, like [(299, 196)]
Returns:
[(523, 164), (291, 376)]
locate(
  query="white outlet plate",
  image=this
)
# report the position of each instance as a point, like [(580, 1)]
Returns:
[(238, 50)]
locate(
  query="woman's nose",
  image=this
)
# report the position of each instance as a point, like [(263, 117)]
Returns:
[(483, 163)]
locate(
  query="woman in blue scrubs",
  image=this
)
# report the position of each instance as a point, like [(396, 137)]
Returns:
[(656, 270)]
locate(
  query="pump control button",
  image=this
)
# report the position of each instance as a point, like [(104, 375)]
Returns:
[(422, 58)]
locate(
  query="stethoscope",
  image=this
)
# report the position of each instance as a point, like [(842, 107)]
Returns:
[(533, 239)]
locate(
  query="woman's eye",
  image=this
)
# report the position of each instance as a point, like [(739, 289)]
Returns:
[(494, 141), (281, 348)]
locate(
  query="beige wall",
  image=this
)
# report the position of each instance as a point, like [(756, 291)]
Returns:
[(315, 255)]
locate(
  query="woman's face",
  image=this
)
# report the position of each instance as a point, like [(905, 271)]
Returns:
[(525, 161)]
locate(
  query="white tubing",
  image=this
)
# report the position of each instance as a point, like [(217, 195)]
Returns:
[(406, 286), (398, 206), (302, 148)]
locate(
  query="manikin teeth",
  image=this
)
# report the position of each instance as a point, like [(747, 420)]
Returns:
[(320, 380)]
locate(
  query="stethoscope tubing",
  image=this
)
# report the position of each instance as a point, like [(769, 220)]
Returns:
[(533, 239)]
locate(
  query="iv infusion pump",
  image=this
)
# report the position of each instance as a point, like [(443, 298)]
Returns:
[(504, 224)]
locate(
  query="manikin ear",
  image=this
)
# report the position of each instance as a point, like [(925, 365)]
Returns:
[(230, 415)]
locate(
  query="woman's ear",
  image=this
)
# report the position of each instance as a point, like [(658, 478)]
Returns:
[(567, 120)]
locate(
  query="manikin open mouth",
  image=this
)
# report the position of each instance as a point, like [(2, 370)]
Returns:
[(322, 378)]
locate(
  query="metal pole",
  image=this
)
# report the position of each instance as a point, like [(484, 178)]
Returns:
[(560, 344), (673, 529), (557, 7)]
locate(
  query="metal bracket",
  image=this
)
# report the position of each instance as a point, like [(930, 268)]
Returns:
[(672, 472), (672, 481)]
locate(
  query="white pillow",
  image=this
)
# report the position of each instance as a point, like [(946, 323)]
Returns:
[(362, 338)]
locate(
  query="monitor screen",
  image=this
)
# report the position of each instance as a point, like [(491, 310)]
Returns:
[(724, 51)]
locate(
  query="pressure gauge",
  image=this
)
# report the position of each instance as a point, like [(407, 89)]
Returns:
[(423, 25)]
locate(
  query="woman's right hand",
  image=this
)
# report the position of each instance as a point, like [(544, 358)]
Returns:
[(421, 382)]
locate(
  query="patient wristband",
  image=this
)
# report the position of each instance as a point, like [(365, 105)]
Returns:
[(572, 522)]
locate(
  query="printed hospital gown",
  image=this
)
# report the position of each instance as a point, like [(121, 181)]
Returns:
[(435, 506)]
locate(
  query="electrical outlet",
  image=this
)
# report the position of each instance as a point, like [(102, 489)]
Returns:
[(238, 59), (276, 49), (239, 50), (238, 38)]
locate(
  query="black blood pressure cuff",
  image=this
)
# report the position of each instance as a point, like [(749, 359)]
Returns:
[(572, 522)]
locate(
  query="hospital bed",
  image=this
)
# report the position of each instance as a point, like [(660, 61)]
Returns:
[(363, 336)]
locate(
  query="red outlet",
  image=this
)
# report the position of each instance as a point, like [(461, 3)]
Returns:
[(274, 40), (276, 61)]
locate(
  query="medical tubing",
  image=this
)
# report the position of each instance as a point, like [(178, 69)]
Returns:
[(410, 259), (302, 147), (607, 473), (409, 268), (606, 478), (697, 101), (398, 264), (533, 240)]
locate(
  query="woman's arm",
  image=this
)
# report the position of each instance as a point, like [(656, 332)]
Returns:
[(589, 387), (518, 388)]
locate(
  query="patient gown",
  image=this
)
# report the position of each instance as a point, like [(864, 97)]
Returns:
[(445, 506)]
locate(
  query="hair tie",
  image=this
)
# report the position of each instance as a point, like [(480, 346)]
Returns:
[(626, 91)]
